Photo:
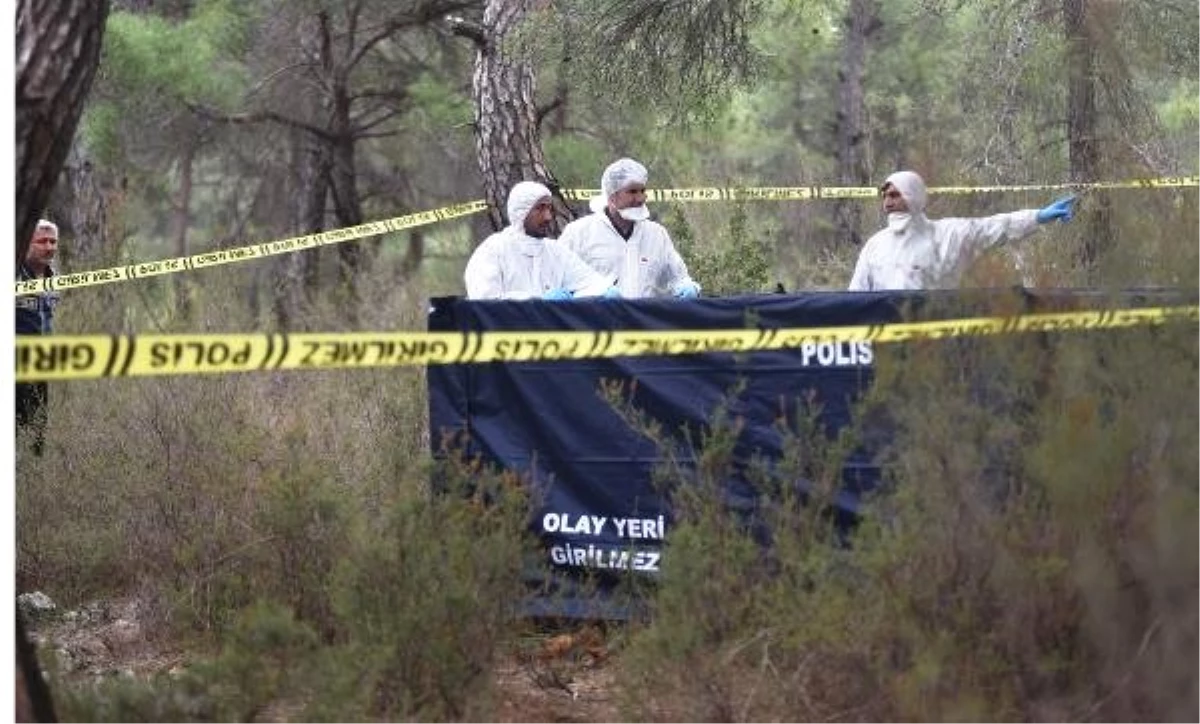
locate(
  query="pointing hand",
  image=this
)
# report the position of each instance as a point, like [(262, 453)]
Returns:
[(1062, 209)]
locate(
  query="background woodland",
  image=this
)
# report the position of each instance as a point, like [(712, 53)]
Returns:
[(274, 532)]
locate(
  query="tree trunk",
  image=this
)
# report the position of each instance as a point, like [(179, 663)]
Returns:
[(58, 48), (342, 174), (862, 19), (347, 208), (299, 278), (87, 215), (507, 141), (347, 211), (33, 700), (183, 218), (414, 254), (92, 202), (1084, 156)]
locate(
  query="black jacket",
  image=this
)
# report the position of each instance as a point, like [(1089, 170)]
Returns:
[(35, 312)]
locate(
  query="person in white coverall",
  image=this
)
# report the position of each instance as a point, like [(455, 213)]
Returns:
[(518, 263), (619, 240), (915, 252)]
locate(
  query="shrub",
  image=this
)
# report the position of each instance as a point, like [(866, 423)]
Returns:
[(1030, 555)]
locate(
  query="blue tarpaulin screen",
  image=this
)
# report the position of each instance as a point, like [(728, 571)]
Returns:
[(600, 509), (600, 515)]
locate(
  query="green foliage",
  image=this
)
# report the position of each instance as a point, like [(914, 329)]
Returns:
[(1181, 115), (1165, 33), (269, 657), (733, 262), (577, 162), (726, 608), (957, 104), (1181, 110), (685, 75), (306, 519), (1031, 556), (284, 523), (194, 60), (153, 68), (100, 130), (424, 636), (437, 104), (130, 700)]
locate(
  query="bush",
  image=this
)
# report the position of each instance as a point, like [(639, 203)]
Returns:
[(1031, 554)]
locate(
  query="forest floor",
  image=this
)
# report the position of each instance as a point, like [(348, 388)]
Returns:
[(564, 675)]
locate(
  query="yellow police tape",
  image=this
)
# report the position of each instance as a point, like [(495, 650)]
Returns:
[(800, 193), (88, 357), (373, 228), (245, 253)]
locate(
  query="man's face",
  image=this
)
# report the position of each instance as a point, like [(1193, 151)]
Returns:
[(42, 248), (540, 221), (893, 202), (629, 197)]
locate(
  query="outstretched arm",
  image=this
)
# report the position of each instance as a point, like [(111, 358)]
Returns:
[(974, 235), (971, 236)]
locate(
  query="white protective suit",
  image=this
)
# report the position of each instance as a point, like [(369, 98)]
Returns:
[(914, 252), (646, 265), (511, 264)]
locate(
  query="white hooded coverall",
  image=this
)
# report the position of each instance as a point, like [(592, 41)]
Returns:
[(646, 265), (914, 252), (510, 264)]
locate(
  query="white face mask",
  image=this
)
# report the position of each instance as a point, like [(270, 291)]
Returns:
[(898, 221), (635, 213)]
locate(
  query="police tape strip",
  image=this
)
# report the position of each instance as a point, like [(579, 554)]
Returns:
[(801, 193), (245, 253), (89, 357), (337, 236)]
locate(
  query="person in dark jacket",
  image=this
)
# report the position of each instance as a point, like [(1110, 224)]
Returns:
[(35, 315)]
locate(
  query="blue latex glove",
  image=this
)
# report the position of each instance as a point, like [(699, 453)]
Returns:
[(557, 294), (612, 293), (690, 290), (1062, 209)]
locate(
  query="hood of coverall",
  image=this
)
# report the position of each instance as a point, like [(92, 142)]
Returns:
[(521, 200), (619, 174), (912, 187)]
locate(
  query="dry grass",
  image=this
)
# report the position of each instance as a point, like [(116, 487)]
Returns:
[(1034, 556)]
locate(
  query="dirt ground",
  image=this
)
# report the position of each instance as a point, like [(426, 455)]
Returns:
[(562, 676), (543, 693), (102, 639)]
